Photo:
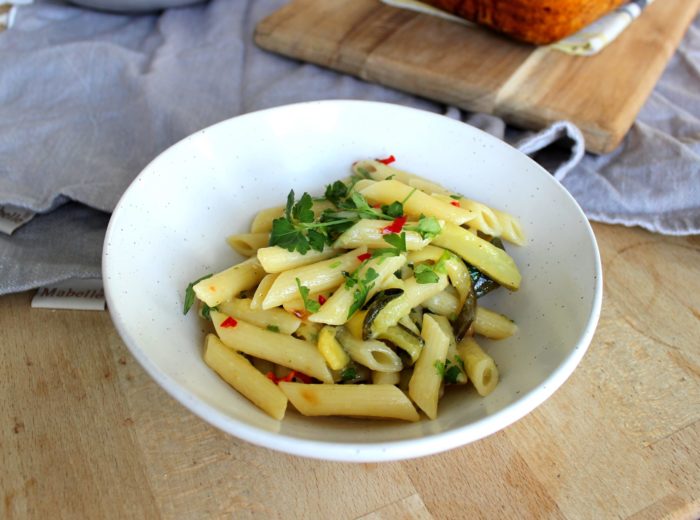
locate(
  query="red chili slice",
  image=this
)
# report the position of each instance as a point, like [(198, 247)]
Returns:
[(396, 226), (303, 378), (455, 204), (364, 256), (229, 323), (321, 299), (388, 160), (272, 377)]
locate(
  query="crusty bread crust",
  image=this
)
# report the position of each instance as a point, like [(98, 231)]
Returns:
[(533, 21)]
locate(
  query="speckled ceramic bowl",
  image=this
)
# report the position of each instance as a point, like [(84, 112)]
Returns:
[(169, 228)]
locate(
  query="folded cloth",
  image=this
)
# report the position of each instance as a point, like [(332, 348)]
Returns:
[(87, 99)]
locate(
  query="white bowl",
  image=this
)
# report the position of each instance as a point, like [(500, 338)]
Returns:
[(169, 228)]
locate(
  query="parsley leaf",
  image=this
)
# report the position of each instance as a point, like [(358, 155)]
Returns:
[(362, 289), (273, 328), (317, 240), (206, 310), (395, 209), (439, 368), (302, 210), (425, 274), (448, 371), (286, 235), (290, 204), (348, 374), (397, 241), (428, 227), (189, 293), (451, 374), (336, 192), (309, 304), (455, 196)]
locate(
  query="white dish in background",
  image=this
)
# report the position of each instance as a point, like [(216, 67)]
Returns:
[(169, 229)]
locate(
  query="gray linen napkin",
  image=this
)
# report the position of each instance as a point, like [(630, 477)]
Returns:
[(87, 99)]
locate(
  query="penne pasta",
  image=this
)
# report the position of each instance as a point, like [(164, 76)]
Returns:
[(238, 372), (247, 244), (227, 284), (336, 309), (483, 255), (454, 365), (481, 368), (383, 401), (279, 348), (317, 277), (371, 233), (511, 229), (493, 325), (262, 290), (416, 202), (262, 223), (424, 386), (275, 259), (381, 172), (414, 294), (275, 320), (485, 219), (372, 354)]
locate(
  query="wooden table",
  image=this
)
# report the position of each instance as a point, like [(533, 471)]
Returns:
[(87, 434)]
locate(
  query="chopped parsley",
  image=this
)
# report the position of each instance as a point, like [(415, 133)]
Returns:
[(189, 293), (425, 273), (428, 227), (349, 373), (448, 371), (273, 328), (398, 243), (206, 310), (362, 287), (309, 304)]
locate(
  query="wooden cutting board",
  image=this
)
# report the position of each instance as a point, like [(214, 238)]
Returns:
[(478, 70)]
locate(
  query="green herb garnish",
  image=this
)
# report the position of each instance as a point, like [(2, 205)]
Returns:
[(349, 373), (398, 243), (428, 227), (273, 328), (190, 295), (362, 288), (309, 304)]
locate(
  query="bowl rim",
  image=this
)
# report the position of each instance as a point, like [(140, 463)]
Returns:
[(370, 451)]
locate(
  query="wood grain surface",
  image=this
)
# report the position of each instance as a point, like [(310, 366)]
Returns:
[(87, 434), (478, 70)]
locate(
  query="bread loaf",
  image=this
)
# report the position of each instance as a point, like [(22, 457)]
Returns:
[(533, 21)]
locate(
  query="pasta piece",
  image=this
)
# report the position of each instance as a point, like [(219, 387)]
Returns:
[(262, 290), (416, 202), (493, 325), (456, 374), (456, 270), (284, 350), (238, 372), (414, 294), (336, 309), (384, 401), (275, 259), (373, 354), (424, 386), (362, 184), (371, 233), (483, 255), (386, 378), (275, 320), (317, 277), (481, 368), (511, 229), (262, 223), (445, 303), (381, 172), (485, 219), (247, 244), (227, 284)]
